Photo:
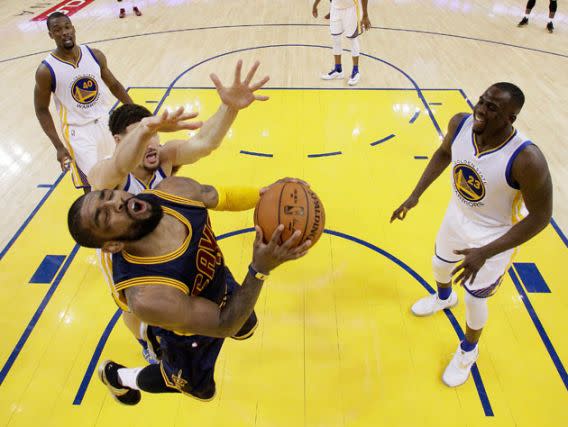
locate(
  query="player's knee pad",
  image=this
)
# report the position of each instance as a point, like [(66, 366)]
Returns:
[(442, 270), (336, 44), (552, 6), (476, 311), (355, 46)]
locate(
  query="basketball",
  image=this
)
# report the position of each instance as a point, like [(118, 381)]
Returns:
[(294, 205)]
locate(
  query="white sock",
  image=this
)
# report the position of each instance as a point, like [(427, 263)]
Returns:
[(127, 377), (527, 15)]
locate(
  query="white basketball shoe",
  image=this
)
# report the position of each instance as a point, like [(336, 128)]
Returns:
[(354, 79), (432, 304), (332, 75), (459, 368)]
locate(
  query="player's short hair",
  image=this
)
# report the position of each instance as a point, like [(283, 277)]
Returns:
[(81, 234), (53, 16), (126, 115), (517, 95)]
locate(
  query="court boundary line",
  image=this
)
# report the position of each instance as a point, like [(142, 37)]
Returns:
[(541, 330), (482, 393), (37, 315), (403, 30)]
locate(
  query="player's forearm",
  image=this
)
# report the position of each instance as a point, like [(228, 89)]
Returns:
[(46, 123), (521, 232), (120, 93), (364, 7), (209, 137), (130, 152), (240, 306), (438, 163)]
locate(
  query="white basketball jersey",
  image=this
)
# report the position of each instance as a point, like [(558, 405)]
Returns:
[(344, 4), (483, 188), (78, 89), (135, 186)]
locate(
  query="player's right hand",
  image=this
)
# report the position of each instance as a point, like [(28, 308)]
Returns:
[(315, 11), (171, 121), (408, 204), (267, 256), (64, 158)]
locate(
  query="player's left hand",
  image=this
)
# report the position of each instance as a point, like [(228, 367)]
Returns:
[(470, 265), (242, 93), (365, 23), (171, 121)]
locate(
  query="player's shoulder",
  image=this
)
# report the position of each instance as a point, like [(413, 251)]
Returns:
[(457, 120), (529, 156)]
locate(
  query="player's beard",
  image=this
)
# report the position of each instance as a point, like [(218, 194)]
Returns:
[(142, 227)]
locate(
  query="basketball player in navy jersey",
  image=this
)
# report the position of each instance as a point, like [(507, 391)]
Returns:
[(502, 197), (75, 75), (169, 271)]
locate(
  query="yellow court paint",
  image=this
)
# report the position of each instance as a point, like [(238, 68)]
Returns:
[(337, 344)]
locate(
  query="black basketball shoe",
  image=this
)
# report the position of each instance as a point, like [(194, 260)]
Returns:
[(108, 373), (550, 27), (524, 21)]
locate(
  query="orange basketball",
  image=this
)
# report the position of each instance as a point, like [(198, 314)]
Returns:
[(295, 206)]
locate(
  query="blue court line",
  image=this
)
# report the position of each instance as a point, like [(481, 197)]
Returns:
[(559, 232), (44, 185), (95, 358), (484, 398), (531, 277), (434, 103), (31, 215), (410, 79), (421, 157), (466, 99), (414, 117), (380, 141), (31, 325), (540, 328), (405, 30), (254, 153), (331, 153)]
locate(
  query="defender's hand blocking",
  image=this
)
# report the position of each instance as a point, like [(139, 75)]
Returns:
[(266, 257), (241, 94), (170, 121), (400, 213)]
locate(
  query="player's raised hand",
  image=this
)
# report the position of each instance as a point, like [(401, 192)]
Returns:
[(471, 264), (400, 212), (242, 93), (171, 121), (267, 256)]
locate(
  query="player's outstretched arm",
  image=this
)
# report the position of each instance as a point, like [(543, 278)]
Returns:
[(234, 98), (437, 164), (116, 88), (171, 309), (112, 172), (42, 97)]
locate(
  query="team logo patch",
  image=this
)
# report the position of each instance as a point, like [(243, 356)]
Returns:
[(84, 90), (468, 183)]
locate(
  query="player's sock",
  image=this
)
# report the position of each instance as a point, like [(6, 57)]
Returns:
[(444, 292), (150, 379), (338, 68), (127, 377), (355, 70), (467, 346)]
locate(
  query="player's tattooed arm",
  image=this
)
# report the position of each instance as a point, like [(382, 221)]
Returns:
[(110, 80)]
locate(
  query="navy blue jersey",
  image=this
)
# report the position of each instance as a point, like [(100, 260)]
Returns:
[(196, 267)]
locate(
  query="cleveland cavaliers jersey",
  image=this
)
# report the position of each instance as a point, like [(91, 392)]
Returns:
[(78, 89), (196, 268), (483, 188), (135, 186)]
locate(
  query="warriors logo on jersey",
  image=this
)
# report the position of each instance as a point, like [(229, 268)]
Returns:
[(468, 183), (84, 90)]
